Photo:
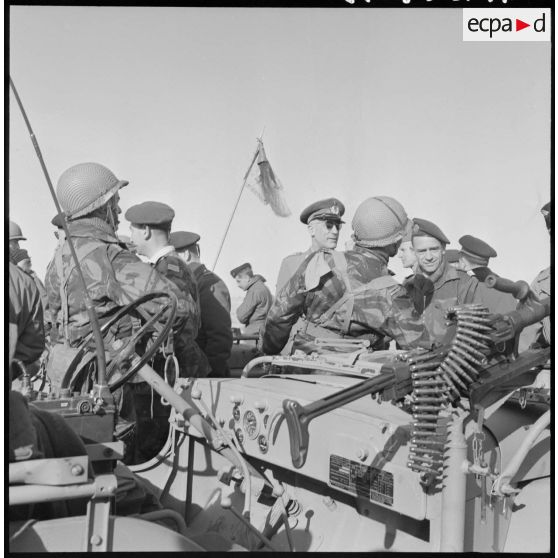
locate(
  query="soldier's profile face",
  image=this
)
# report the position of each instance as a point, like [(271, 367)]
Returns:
[(242, 281), (407, 254), (463, 264), (137, 237), (429, 252), (325, 233)]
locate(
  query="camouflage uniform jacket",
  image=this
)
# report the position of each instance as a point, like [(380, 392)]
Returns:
[(114, 277), (435, 294), (26, 333), (377, 307), (255, 306), (215, 335), (539, 334), (191, 359)]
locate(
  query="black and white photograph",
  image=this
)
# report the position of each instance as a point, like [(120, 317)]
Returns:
[(278, 277)]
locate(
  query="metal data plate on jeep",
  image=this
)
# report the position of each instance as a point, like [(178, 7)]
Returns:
[(361, 480)]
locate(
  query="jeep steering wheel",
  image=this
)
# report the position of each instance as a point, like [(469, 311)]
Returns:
[(72, 373)]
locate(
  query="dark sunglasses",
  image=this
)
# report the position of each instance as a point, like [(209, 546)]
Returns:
[(331, 224)]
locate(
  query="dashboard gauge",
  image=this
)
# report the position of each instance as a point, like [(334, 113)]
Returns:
[(251, 425), (262, 444), (236, 413), (239, 435)]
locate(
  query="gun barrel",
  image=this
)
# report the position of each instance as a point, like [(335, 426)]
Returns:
[(519, 289)]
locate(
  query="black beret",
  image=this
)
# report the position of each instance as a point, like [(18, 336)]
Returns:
[(58, 219), (150, 213), (476, 247), (452, 255), (240, 268), (331, 208), (422, 227), (182, 239)]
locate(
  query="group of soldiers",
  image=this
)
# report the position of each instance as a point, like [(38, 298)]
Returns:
[(321, 293)]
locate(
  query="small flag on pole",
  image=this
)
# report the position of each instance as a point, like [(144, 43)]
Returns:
[(266, 185)]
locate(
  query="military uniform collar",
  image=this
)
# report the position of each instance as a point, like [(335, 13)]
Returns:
[(93, 227), (196, 265), (254, 280), (376, 253), (161, 253)]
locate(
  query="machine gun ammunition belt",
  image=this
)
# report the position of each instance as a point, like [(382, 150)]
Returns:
[(447, 380)]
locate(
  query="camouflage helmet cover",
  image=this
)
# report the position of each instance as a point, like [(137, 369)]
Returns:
[(379, 221), (85, 187)]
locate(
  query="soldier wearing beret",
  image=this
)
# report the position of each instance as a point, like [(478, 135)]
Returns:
[(473, 259), (437, 285), (150, 224), (539, 335), (323, 219), (257, 302), (338, 295), (215, 333)]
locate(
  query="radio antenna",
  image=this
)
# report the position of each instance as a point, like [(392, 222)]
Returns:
[(101, 362)]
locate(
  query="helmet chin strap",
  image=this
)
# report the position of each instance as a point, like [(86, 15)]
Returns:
[(111, 215)]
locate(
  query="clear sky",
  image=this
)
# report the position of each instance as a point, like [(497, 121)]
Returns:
[(355, 103)]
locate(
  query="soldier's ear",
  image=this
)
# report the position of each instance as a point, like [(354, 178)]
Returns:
[(311, 229)]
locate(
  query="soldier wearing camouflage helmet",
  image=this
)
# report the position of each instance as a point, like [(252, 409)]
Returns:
[(352, 294), (15, 235), (89, 196)]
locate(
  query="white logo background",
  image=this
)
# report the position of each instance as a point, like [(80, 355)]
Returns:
[(492, 24)]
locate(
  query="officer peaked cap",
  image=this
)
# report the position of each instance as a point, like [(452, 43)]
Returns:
[(476, 247), (152, 213), (183, 239), (422, 227), (331, 208), (240, 268)]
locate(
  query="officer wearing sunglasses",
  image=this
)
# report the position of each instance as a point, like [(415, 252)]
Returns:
[(323, 219)]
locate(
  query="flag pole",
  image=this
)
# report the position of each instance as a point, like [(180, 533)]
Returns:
[(238, 200)]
